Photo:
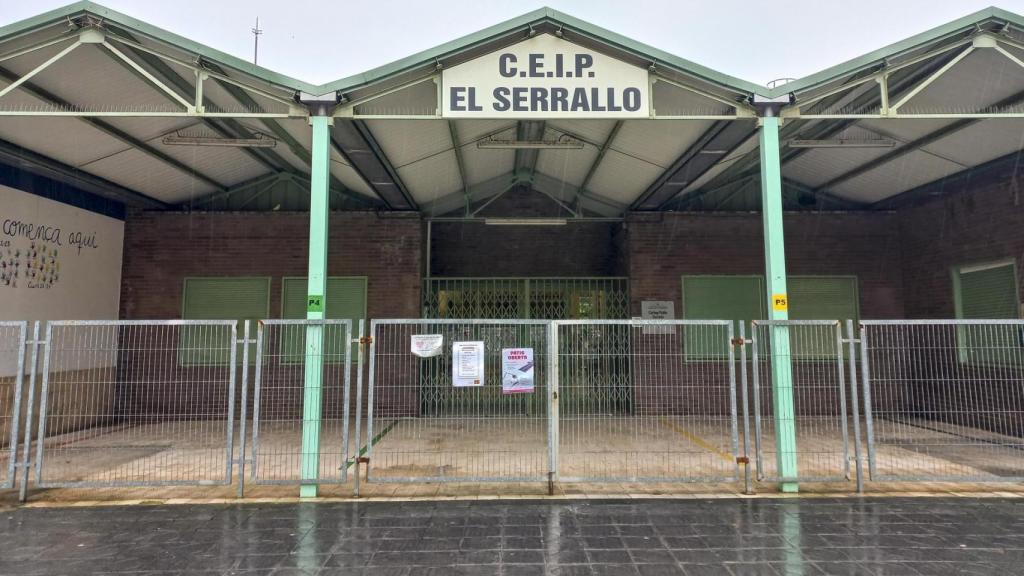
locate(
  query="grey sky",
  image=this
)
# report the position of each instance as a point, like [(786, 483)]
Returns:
[(757, 41)]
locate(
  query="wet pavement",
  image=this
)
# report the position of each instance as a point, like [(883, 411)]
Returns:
[(807, 536)]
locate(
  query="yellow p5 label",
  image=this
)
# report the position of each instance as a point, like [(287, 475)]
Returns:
[(780, 302)]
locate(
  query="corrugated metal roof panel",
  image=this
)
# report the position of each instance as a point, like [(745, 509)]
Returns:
[(569, 166), (660, 142), (67, 140), (904, 130), (622, 178), (431, 178), (407, 141), (226, 165), (471, 130), (671, 100), (150, 128), (136, 170), (217, 98), (483, 164), (293, 127), (981, 79), (742, 150), (892, 178), (594, 131), (819, 165), (982, 141), (90, 78), (351, 179)]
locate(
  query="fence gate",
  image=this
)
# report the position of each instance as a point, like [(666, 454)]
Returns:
[(281, 352), (944, 399), (475, 433), (681, 424), (137, 403), (814, 352), (12, 373)]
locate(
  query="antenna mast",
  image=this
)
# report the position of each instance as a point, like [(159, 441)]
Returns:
[(256, 41)]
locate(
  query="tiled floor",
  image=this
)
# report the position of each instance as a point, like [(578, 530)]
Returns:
[(807, 536)]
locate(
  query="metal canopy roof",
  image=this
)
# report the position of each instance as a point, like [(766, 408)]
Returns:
[(95, 97)]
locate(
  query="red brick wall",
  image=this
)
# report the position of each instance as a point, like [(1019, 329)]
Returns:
[(977, 220), (663, 248), (163, 248), (982, 224), (477, 249)]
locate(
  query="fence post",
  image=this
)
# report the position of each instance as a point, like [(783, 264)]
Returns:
[(23, 491), (33, 368), (865, 376), (747, 488), (851, 339), (372, 353), (19, 387), (552, 386), (245, 399), (359, 409)]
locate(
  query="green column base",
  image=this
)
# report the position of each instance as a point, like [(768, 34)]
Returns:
[(307, 491), (789, 487)]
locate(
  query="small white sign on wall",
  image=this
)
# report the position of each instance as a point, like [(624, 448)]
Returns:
[(658, 310)]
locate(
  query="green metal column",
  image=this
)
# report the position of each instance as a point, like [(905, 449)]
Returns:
[(316, 303), (778, 301)]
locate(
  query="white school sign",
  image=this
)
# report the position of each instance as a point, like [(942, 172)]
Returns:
[(545, 77)]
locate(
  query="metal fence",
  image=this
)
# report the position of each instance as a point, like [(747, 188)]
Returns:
[(12, 372), (647, 401), (422, 427), (282, 349), (803, 360), (154, 403), (137, 403), (944, 399)]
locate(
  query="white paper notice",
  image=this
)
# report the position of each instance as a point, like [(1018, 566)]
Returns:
[(516, 370), (427, 345), (467, 364)]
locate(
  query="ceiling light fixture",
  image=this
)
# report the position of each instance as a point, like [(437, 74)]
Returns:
[(260, 141), (844, 143), (525, 221), (560, 144)]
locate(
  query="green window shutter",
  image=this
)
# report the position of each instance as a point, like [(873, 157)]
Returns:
[(989, 293), (346, 300), (820, 298), (220, 299), (823, 298), (737, 298)]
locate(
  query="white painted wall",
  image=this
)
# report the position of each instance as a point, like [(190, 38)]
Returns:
[(57, 262)]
